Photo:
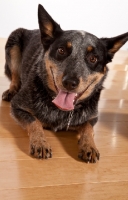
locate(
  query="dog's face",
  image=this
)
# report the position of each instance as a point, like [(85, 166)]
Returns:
[(75, 64), (75, 60)]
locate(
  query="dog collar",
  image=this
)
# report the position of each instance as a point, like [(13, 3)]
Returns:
[(69, 119)]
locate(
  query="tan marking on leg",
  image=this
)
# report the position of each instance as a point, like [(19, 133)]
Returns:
[(35, 126), (87, 148), (38, 142), (14, 67)]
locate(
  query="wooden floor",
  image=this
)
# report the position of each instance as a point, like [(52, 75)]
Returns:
[(65, 177)]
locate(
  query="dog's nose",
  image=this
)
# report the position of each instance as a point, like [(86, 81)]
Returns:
[(70, 83)]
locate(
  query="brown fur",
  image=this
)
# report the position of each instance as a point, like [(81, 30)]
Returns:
[(90, 84), (38, 141), (69, 44), (86, 144), (50, 66), (14, 64), (89, 48)]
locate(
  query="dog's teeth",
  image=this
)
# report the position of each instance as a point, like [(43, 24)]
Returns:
[(76, 95)]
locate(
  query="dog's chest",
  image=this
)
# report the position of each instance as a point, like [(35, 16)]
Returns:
[(56, 119), (62, 120)]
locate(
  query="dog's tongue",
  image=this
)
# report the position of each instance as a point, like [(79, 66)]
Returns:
[(64, 100)]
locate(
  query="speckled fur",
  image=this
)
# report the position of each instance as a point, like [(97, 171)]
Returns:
[(33, 100)]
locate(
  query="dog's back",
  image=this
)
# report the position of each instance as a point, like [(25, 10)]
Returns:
[(22, 50)]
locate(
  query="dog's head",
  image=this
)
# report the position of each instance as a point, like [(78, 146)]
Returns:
[(75, 60)]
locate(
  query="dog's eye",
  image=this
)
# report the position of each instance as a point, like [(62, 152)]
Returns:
[(61, 50), (92, 59)]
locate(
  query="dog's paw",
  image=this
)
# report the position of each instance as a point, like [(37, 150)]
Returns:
[(88, 153), (8, 95), (40, 149)]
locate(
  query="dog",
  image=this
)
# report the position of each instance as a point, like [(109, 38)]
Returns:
[(56, 80)]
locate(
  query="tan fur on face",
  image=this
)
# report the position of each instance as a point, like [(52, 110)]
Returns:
[(85, 87), (89, 48), (50, 66), (53, 75), (105, 69), (69, 44), (92, 80)]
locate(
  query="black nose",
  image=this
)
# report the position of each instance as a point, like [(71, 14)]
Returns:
[(70, 83)]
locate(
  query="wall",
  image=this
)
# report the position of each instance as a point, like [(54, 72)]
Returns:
[(103, 18)]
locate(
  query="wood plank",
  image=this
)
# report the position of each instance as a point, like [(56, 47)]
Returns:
[(61, 171), (65, 176), (91, 191)]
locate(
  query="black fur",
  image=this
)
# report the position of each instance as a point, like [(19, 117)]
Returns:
[(34, 99)]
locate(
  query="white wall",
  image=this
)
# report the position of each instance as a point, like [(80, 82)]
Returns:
[(103, 18)]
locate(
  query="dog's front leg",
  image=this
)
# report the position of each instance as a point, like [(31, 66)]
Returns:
[(39, 147), (87, 148)]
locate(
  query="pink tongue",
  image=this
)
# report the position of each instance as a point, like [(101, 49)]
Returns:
[(64, 100)]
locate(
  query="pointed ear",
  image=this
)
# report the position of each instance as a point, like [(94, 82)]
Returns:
[(114, 44), (49, 29)]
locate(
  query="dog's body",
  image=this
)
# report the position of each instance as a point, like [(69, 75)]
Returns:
[(56, 80)]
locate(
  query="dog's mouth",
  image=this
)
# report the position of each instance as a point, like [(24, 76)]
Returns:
[(67, 100)]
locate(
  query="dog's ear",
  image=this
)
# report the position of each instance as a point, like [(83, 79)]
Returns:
[(49, 29), (114, 44)]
